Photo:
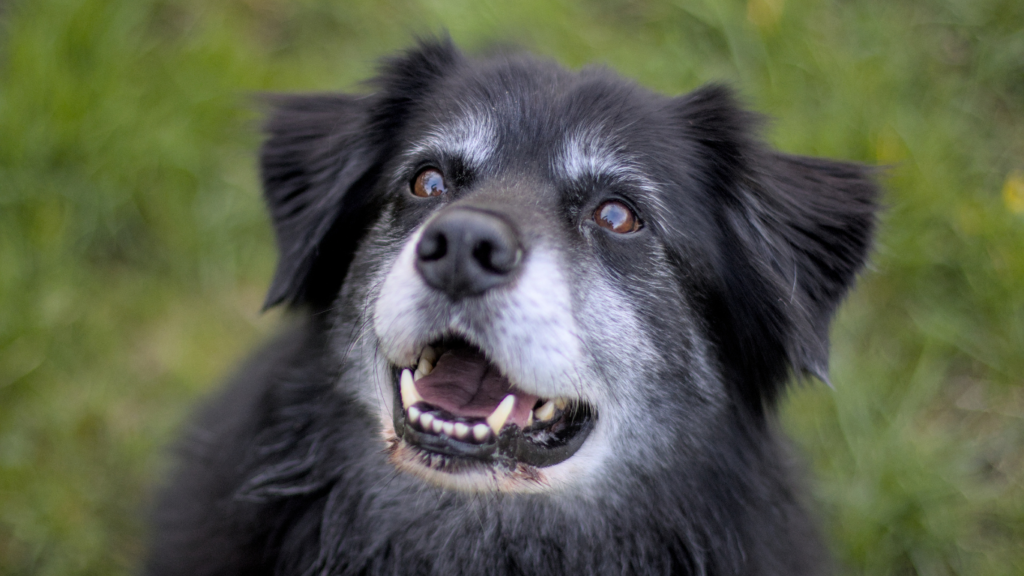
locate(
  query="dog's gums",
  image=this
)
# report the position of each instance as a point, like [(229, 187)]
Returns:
[(458, 412)]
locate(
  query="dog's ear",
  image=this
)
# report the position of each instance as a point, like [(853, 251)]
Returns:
[(315, 157), (795, 232), (320, 164)]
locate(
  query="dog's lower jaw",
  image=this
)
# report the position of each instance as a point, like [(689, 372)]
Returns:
[(473, 477), (574, 474)]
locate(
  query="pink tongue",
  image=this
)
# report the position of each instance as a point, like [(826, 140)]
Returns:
[(465, 384)]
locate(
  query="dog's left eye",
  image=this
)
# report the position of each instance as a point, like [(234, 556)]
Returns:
[(617, 217), (429, 182)]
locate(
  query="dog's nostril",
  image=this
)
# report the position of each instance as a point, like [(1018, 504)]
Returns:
[(432, 247), (482, 254), (500, 259)]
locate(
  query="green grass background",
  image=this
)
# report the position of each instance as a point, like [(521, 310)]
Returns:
[(134, 249)]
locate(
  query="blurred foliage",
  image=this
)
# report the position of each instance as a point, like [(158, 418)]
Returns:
[(134, 248)]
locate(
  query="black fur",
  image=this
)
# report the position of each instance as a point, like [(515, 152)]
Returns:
[(286, 472)]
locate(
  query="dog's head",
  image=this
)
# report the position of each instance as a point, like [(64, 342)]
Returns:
[(539, 279)]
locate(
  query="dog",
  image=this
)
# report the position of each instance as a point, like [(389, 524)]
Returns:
[(541, 322)]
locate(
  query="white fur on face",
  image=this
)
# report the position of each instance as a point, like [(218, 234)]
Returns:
[(471, 137), (586, 153)]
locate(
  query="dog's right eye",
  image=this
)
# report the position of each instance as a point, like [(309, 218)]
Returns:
[(429, 182), (617, 217)]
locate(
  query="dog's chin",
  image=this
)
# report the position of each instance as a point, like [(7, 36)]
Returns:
[(460, 423)]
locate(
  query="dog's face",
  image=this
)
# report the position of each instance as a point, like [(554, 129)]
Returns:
[(542, 280), (524, 286)]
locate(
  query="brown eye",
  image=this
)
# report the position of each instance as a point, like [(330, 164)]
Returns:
[(429, 183), (617, 217)]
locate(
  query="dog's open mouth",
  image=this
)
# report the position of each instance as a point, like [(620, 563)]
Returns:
[(460, 411)]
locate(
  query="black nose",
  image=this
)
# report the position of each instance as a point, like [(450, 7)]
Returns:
[(465, 252)]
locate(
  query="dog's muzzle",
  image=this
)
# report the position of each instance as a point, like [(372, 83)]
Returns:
[(458, 407)]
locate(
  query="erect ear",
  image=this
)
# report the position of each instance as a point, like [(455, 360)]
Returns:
[(796, 231), (320, 165)]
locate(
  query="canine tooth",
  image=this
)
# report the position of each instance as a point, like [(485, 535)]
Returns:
[(500, 415), (529, 418), (410, 395), (414, 413), (437, 426), (425, 367), (546, 411), (417, 375), (425, 421), (429, 354), (480, 432), (448, 428), (561, 403), (461, 430)]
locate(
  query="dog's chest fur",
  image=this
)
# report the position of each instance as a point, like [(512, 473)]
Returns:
[(609, 289)]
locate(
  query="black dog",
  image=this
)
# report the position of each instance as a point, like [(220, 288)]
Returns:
[(544, 319)]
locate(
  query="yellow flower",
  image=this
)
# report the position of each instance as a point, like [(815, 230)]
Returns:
[(765, 14), (1013, 191)]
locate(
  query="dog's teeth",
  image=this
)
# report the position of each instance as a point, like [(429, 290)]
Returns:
[(410, 395), (424, 367), (417, 375), (437, 425), (546, 411), (480, 432), (529, 418), (414, 414), (500, 415), (425, 421), (561, 403), (461, 430), (428, 354), (448, 428)]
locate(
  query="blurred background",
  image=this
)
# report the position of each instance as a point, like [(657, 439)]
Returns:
[(134, 249)]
